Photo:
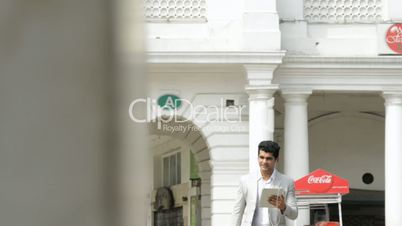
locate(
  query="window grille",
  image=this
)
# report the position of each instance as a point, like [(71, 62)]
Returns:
[(175, 10), (343, 11)]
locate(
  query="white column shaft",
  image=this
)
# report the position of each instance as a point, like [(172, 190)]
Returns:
[(261, 122), (393, 160), (296, 152)]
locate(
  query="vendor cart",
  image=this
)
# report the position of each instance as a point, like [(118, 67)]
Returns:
[(320, 188)]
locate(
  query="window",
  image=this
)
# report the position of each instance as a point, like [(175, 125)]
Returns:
[(171, 169)]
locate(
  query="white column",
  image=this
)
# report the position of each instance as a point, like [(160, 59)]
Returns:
[(296, 134), (296, 150), (393, 158), (261, 112)]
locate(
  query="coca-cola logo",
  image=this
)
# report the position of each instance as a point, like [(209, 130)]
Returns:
[(320, 182), (394, 38), (324, 179)]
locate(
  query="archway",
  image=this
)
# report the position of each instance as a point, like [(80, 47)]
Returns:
[(181, 136), (351, 144)]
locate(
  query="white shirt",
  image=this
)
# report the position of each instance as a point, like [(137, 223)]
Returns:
[(261, 215)]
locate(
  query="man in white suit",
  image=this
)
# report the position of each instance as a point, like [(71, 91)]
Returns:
[(246, 211)]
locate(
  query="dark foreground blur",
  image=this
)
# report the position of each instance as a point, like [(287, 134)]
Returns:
[(63, 128)]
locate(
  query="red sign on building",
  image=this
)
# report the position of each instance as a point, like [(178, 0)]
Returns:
[(394, 38), (321, 182)]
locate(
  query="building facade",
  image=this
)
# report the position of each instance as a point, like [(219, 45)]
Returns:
[(321, 77)]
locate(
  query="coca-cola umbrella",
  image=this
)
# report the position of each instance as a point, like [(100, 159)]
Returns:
[(321, 182), (321, 187)]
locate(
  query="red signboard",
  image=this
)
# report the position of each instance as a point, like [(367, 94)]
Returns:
[(321, 182), (394, 38)]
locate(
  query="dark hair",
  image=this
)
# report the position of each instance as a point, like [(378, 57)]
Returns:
[(269, 146)]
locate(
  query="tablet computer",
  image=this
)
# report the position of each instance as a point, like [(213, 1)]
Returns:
[(268, 192)]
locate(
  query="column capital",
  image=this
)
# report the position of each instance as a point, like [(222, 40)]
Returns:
[(296, 96), (392, 98), (261, 92), (260, 74)]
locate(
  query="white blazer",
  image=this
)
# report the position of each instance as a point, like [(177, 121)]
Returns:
[(246, 201)]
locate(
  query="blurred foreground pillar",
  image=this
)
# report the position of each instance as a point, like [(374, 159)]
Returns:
[(134, 167)]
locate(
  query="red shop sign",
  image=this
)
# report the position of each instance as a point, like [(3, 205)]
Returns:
[(394, 38), (321, 182)]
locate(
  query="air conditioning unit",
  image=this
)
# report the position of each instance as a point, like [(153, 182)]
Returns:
[(169, 197), (180, 193)]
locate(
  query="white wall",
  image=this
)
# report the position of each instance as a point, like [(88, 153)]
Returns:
[(200, 87), (232, 25), (393, 10), (290, 9), (221, 32), (332, 39), (349, 145), (188, 81), (329, 39)]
